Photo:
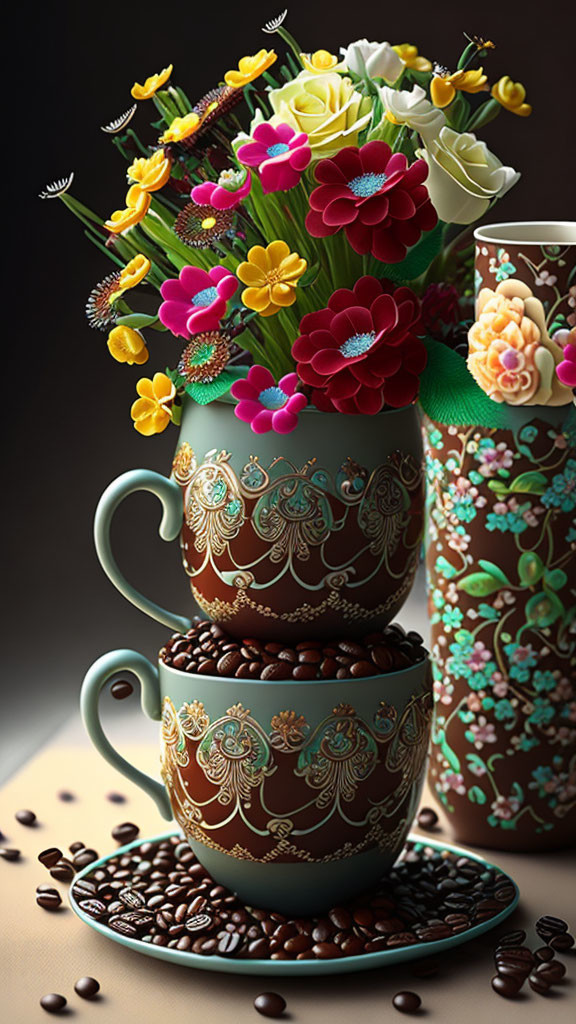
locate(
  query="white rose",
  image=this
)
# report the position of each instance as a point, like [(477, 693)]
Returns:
[(413, 109), (380, 59), (464, 176)]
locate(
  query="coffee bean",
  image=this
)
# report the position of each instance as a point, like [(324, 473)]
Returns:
[(49, 899), (62, 870), (544, 953), (125, 833), (514, 960), (228, 663), (83, 889), (74, 847), (9, 853), (229, 943), (511, 939), (547, 926), (198, 923), (553, 971), (127, 928), (270, 1004), (49, 857), (507, 985), (116, 798), (277, 671), (121, 689), (53, 1002), (407, 1002), (66, 796), (25, 817), (132, 898), (361, 669), (87, 988), (326, 950), (84, 857), (538, 983), (562, 942), (93, 907), (427, 818)]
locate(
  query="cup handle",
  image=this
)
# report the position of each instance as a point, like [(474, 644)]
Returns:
[(94, 681), (170, 496)]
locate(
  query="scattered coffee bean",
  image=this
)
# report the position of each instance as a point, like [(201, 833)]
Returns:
[(53, 1002), (62, 870), (427, 818), (74, 847), (125, 833), (553, 971), (511, 939), (9, 853), (25, 817), (87, 988), (544, 953), (562, 942), (66, 796), (83, 857), (407, 1002), (516, 961), (49, 857), (548, 926), (270, 1004), (116, 798), (506, 985), (121, 689), (538, 983), (49, 899)]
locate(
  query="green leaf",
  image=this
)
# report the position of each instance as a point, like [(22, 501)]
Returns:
[(176, 414), (555, 579), (543, 609), (447, 751), (530, 568), (529, 483), (205, 393), (479, 584), (498, 486), (419, 257), (310, 276), (449, 393), (476, 795), (137, 320), (494, 571)]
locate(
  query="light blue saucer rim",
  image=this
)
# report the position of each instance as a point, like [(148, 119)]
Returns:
[(298, 968)]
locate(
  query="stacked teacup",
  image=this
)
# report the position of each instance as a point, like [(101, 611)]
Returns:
[(295, 718)]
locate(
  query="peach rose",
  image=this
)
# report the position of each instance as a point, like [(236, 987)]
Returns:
[(511, 355)]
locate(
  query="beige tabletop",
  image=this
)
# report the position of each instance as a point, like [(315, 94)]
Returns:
[(47, 952)]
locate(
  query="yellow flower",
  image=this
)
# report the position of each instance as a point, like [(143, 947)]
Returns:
[(410, 57), (511, 95), (321, 61), (272, 275), (327, 107), (137, 203), (151, 412), (127, 346), (146, 91), (443, 86), (250, 68), (134, 272), (152, 173), (181, 128)]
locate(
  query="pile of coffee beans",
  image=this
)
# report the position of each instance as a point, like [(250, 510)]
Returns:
[(159, 893), (207, 650), (516, 962)]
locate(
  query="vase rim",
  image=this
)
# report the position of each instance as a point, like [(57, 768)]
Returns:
[(227, 399), (528, 232)]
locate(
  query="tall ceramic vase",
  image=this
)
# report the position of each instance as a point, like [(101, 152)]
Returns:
[(313, 533)]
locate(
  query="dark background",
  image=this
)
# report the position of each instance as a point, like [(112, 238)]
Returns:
[(68, 425)]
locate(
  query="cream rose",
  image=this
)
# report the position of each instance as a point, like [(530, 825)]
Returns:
[(413, 109), (327, 107), (379, 59), (464, 176)]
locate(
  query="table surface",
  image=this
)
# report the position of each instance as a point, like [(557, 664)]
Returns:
[(47, 952)]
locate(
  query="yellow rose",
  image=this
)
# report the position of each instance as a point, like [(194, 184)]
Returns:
[(152, 173), (137, 203), (146, 91), (511, 95), (127, 346), (327, 107), (151, 412)]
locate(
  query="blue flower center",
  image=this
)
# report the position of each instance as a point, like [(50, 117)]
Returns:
[(366, 185), (273, 398), (277, 149), (357, 344), (205, 297)]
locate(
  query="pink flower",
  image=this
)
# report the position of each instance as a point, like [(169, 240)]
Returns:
[(266, 405), (479, 657), (226, 193), (493, 459), (196, 301), (453, 780), (505, 807), (483, 732), (443, 691), (280, 154), (566, 370)]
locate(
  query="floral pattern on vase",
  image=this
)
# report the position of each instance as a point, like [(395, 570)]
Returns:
[(501, 561), (549, 270)]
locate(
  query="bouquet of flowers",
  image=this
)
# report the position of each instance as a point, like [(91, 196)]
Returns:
[(298, 222)]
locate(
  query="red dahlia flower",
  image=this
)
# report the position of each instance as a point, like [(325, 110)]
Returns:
[(362, 351), (376, 197)]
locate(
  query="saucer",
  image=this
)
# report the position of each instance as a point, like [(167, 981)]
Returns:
[(298, 968)]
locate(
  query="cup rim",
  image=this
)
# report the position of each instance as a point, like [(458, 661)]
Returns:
[(294, 682), (497, 233)]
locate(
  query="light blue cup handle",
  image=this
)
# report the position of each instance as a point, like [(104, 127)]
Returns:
[(170, 496), (94, 682)]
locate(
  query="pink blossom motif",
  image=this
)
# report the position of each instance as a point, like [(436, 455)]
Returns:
[(523, 654), (479, 657), (443, 691), (459, 541), (500, 687), (493, 459), (196, 301), (280, 154), (483, 732), (453, 781), (505, 807), (266, 405), (226, 193)]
